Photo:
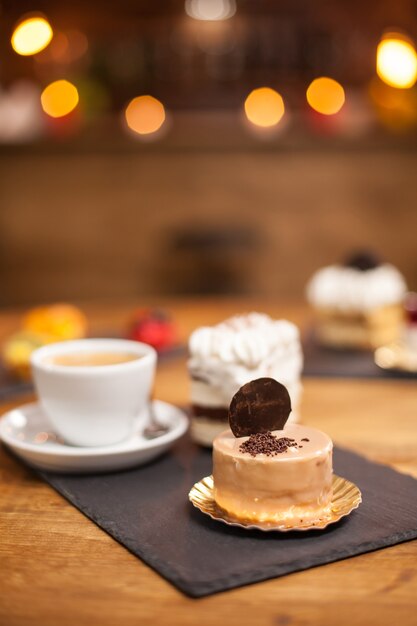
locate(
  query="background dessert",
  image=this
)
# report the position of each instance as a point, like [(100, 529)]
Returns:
[(358, 304), (226, 356), (154, 327), (16, 352), (41, 326), (269, 476), (60, 321)]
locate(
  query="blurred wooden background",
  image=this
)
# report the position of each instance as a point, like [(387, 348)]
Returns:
[(78, 224)]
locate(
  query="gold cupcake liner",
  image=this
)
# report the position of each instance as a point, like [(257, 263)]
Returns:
[(346, 497)]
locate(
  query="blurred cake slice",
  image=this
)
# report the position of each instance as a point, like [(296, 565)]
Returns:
[(226, 356), (358, 304)]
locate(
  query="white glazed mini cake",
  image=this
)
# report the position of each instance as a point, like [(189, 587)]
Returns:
[(357, 305), (226, 356), (292, 485)]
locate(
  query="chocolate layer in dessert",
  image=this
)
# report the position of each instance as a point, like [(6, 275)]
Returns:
[(218, 414)]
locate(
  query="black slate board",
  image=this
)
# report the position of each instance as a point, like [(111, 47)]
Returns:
[(331, 362), (147, 510)]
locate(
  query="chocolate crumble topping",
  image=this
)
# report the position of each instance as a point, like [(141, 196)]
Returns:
[(305, 439), (267, 443)]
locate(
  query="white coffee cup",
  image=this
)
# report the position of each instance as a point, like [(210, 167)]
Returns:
[(94, 405)]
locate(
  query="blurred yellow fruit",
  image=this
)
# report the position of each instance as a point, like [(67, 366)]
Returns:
[(17, 351), (61, 321)]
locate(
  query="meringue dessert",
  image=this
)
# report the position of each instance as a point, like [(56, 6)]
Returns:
[(359, 304), (226, 356), (283, 474)]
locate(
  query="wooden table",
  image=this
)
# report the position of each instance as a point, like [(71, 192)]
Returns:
[(57, 567)]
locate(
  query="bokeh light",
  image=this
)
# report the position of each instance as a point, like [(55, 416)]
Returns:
[(210, 10), (325, 95), (396, 109), (78, 44), (66, 47), (21, 118), (59, 98), (145, 115), (264, 107), (396, 62), (31, 36), (58, 50)]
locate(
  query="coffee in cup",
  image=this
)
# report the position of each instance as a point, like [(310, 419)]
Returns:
[(94, 391)]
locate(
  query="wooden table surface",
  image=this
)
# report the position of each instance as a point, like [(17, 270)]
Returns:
[(57, 567)]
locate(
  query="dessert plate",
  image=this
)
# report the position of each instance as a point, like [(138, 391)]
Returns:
[(346, 498), (397, 356), (27, 431)]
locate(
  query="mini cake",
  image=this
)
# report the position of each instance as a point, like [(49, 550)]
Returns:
[(226, 356), (358, 304), (264, 471)]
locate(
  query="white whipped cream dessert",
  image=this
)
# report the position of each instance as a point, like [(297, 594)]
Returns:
[(347, 289), (226, 356), (295, 484)]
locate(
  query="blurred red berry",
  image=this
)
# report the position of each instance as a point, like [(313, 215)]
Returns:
[(154, 328)]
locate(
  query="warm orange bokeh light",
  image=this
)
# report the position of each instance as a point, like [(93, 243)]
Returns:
[(59, 98), (395, 108), (396, 62), (31, 36), (264, 107), (145, 115), (325, 95)]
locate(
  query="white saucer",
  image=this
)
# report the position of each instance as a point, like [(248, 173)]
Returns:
[(27, 431)]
